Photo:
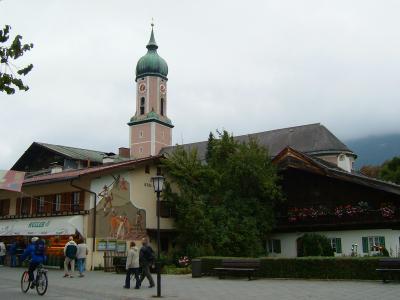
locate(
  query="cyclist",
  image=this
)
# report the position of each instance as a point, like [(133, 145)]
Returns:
[(36, 251)]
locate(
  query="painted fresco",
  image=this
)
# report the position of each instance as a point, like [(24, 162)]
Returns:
[(116, 216)]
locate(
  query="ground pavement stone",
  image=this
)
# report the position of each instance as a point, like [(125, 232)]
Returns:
[(101, 285)]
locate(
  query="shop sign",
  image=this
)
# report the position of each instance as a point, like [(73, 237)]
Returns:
[(39, 224)]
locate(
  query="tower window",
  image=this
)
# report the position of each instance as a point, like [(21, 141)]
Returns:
[(141, 134), (140, 150), (162, 107), (142, 102)]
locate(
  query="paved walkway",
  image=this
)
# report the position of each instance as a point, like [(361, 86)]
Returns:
[(100, 285)]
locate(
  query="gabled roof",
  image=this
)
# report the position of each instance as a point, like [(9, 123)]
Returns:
[(291, 158), (75, 153), (73, 174), (72, 153), (310, 139)]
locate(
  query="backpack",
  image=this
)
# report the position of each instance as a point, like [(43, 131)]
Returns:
[(71, 250), (40, 248)]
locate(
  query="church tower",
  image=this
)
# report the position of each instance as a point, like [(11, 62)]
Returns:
[(150, 129)]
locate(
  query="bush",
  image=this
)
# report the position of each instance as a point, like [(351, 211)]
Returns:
[(308, 267), (312, 244), (172, 269)]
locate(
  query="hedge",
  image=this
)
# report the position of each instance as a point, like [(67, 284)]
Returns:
[(308, 267)]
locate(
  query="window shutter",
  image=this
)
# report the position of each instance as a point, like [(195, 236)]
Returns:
[(269, 246), (338, 245), (277, 246), (382, 241), (365, 244), (18, 207)]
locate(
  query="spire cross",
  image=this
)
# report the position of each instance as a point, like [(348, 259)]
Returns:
[(152, 22)]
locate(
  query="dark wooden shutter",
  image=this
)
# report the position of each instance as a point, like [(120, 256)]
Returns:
[(382, 241), (5, 204), (82, 200), (18, 207), (35, 205), (277, 246), (338, 245), (365, 244)]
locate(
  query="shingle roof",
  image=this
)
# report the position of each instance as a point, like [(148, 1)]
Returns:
[(334, 171), (310, 139), (72, 174), (78, 153)]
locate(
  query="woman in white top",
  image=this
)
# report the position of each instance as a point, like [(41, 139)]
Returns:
[(132, 266)]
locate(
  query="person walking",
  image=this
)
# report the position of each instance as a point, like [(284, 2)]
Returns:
[(2, 253), (132, 266), (81, 256), (70, 251), (13, 254), (37, 252), (146, 259)]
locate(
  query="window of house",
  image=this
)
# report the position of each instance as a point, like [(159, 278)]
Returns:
[(4, 207), (371, 243), (57, 203), (40, 204), (147, 169), (76, 201), (142, 103), (336, 244), (274, 246), (158, 171), (140, 150), (162, 106)]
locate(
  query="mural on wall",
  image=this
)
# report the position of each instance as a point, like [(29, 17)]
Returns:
[(116, 216)]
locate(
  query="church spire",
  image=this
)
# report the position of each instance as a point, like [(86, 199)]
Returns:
[(152, 45)]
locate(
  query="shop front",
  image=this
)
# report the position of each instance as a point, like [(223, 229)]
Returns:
[(54, 230)]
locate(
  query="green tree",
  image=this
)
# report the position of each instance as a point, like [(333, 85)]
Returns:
[(224, 206), (390, 170), (8, 54)]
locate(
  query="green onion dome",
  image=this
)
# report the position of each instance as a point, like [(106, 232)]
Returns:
[(152, 64)]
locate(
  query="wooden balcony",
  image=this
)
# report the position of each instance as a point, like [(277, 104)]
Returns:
[(369, 219), (46, 214)]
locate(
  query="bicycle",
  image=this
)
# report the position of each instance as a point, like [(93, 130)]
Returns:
[(41, 281)]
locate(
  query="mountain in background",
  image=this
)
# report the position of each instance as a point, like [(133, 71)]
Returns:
[(374, 150)]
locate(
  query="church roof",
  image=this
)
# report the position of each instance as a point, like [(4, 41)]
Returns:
[(310, 139), (152, 64)]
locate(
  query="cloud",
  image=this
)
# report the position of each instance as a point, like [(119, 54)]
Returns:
[(243, 66)]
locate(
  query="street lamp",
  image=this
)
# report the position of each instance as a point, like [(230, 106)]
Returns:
[(158, 184)]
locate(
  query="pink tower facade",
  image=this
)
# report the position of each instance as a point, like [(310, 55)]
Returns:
[(150, 128)]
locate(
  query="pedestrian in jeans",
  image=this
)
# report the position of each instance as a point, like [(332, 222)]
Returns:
[(146, 259), (13, 254), (70, 251), (132, 266), (81, 256)]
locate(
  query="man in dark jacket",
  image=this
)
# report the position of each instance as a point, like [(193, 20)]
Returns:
[(146, 259)]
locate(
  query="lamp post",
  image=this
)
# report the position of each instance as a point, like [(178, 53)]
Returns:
[(158, 184)]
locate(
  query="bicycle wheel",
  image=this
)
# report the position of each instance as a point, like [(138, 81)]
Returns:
[(41, 283), (25, 283)]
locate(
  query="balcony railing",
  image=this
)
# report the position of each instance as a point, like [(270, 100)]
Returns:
[(45, 214), (365, 218)]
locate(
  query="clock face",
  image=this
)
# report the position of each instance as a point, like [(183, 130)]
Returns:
[(163, 88), (142, 88)]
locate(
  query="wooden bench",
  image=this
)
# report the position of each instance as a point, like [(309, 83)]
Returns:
[(237, 267), (388, 267)]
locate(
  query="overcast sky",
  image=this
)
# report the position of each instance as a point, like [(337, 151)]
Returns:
[(244, 66)]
